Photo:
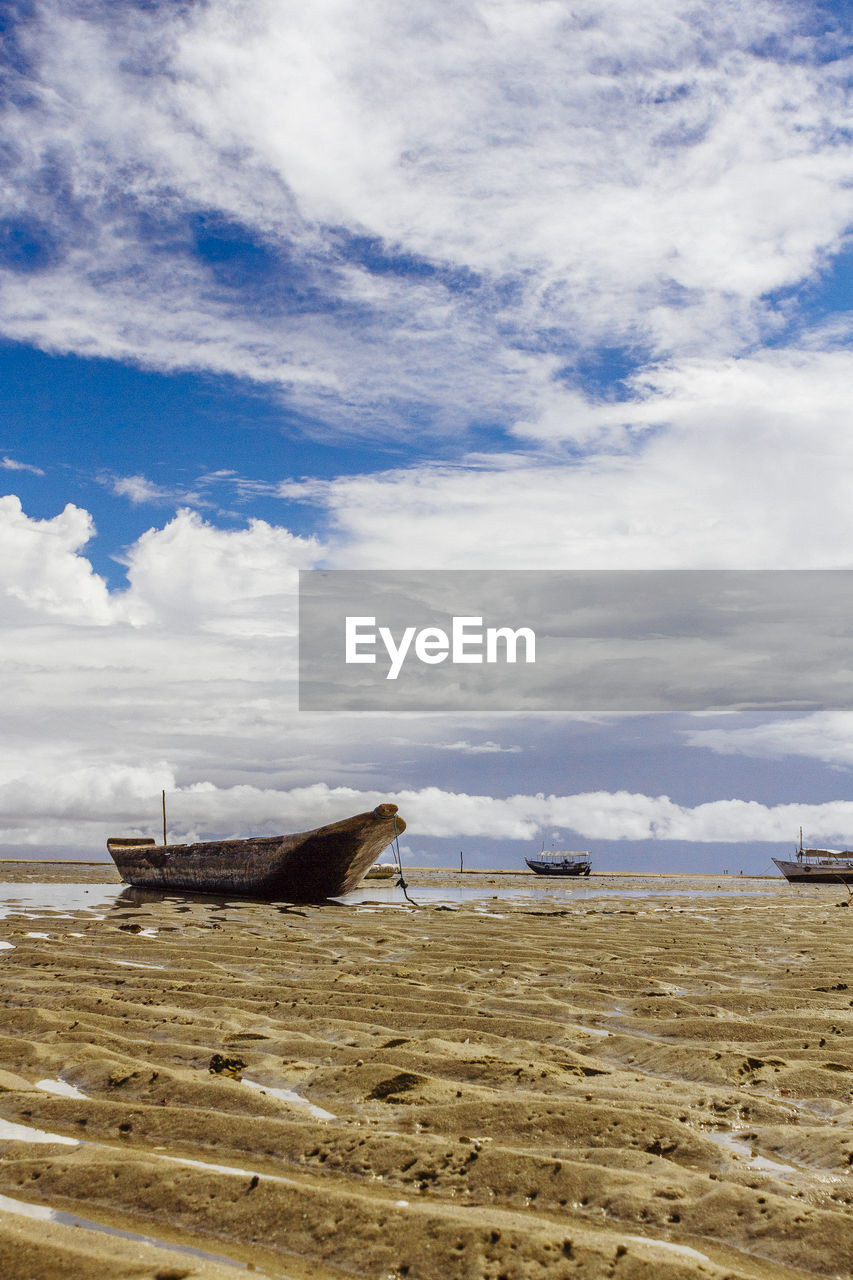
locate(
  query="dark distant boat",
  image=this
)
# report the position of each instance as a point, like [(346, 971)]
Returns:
[(560, 863), (309, 866), (818, 866)]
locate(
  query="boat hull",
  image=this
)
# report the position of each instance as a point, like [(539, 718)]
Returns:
[(816, 872), (558, 869), (308, 866)]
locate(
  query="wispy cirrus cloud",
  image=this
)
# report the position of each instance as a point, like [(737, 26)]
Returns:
[(389, 218), (12, 464), (138, 489), (825, 735), (207, 492)]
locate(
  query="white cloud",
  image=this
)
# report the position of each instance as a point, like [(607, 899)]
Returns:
[(115, 790), (582, 177), (191, 575), (11, 464), (620, 816), (129, 796), (205, 493), (188, 575), (194, 660), (782, 395), (449, 208), (41, 571), (824, 735), (185, 681), (737, 464), (140, 490)]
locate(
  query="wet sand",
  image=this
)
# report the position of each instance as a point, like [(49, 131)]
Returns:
[(614, 1086)]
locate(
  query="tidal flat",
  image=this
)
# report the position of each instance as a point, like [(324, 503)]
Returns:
[(638, 1077)]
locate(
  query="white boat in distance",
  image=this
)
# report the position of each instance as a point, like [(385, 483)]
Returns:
[(560, 862), (380, 871), (818, 866)]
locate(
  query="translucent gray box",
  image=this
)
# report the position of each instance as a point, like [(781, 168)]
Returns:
[(629, 642)]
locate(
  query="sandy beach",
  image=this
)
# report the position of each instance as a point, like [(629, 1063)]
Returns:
[(620, 1083)]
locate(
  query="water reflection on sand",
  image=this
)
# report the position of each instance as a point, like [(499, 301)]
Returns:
[(34, 900)]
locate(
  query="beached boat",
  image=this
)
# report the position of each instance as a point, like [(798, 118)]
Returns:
[(309, 866), (818, 866), (560, 862)]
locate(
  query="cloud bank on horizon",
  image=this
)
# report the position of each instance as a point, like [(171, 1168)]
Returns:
[(569, 287), (185, 681)]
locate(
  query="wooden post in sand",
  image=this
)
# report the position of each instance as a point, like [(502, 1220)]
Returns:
[(163, 798), (460, 861)]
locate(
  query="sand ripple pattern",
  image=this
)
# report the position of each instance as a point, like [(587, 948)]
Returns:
[(605, 1088)]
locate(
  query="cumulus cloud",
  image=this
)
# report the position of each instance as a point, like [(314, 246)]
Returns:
[(41, 570), (193, 575), (188, 573), (195, 658), (203, 810), (621, 816), (185, 681), (117, 790)]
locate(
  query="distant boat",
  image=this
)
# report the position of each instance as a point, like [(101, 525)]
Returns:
[(818, 866), (308, 866), (560, 863), (380, 871)]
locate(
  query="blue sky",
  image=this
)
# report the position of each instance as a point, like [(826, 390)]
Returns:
[(85, 424), (499, 285)]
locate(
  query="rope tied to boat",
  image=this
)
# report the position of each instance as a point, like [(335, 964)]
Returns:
[(395, 849)]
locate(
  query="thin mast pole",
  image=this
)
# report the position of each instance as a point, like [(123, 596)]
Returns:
[(163, 798)]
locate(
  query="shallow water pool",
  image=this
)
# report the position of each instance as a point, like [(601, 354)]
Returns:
[(40, 900)]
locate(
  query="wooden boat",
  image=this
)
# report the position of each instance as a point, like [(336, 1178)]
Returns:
[(818, 866), (309, 866), (560, 862)]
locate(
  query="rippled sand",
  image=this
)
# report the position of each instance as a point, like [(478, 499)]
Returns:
[(598, 1087)]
